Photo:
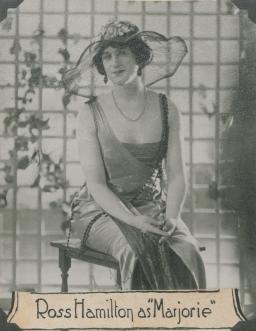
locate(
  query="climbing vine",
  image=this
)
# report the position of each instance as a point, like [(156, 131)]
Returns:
[(26, 127)]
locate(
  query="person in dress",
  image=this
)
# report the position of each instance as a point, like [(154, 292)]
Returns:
[(130, 152)]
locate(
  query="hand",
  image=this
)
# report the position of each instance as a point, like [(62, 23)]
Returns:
[(148, 224), (169, 226)]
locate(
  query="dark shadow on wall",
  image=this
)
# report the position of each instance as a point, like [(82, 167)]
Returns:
[(5, 5), (248, 5), (240, 146), (245, 326)]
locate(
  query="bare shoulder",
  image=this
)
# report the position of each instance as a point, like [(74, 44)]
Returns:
[(85, 120), (105, 100), (173, 115), (154, 97), (153, 100)]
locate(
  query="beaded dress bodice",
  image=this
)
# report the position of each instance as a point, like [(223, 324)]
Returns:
[(131, 168)]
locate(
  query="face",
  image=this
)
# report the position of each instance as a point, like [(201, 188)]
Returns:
[(119, 64)]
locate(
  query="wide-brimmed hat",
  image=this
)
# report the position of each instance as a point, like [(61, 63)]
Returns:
[(167, 53)]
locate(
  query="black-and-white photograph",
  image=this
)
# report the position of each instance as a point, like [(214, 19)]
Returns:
[(127, 146)]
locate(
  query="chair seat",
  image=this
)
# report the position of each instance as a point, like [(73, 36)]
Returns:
[(66, 253), (87, 255)]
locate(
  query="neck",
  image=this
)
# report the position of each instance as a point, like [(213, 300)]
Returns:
[(129, 90)]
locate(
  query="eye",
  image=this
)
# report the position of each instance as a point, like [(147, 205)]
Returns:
[(106, 56), (122, 51)]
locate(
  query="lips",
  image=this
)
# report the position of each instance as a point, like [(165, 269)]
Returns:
[(118, 71)]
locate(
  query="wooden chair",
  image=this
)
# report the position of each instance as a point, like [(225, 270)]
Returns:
[(88, 255)]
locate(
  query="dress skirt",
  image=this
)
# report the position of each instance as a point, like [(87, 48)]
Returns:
[(135, 173)]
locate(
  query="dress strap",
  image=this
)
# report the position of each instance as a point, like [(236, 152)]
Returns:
[(157, 169), (165, 127)]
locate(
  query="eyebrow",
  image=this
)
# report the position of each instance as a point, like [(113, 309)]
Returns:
[(105, 52)]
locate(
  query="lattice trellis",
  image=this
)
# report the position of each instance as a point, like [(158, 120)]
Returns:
[(203, 90)]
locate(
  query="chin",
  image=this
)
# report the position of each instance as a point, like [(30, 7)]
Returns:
[(122, 80), (119, 82)]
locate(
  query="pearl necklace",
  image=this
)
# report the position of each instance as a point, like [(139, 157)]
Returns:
[(124, 115)]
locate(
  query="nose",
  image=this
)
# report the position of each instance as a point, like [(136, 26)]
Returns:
[(115, 60)]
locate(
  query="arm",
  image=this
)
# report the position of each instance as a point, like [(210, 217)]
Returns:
[(94, 171), (93, 168), (175, 167)]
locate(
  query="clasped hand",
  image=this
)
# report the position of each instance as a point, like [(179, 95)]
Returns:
[(164, 228)]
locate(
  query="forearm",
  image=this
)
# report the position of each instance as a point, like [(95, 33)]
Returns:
[(110, 203), (175, 196), (114, 206)]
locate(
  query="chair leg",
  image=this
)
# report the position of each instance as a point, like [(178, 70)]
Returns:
[(64, 264), (118, 279)]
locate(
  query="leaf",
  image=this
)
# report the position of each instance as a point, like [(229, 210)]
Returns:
[(76, 37), (50, 81), (36, 182), (33, 139), (202, 91), (7, 123), (7, 24), (23, 163), (21, 144), (16, 48), (3, 200), (36, 75), (35, 155), (38, 34), (8, 178), (63, 35), (22, 124), (66, 99), (23, 74), (49, 188), (29, 58), (53, 204), (46, 158), (206, 111), (28, 96), (65, 53)]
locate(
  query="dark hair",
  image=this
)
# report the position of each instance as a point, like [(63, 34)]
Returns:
[(142, 52)]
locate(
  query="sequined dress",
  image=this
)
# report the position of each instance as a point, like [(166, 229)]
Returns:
[(136, 174)]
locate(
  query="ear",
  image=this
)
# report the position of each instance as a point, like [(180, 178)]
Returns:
[(139, 71)]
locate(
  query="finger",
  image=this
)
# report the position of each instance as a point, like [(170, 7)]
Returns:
[(162, 217), (157, 231), (158, 212), (162, 240), (161, 220), (154, 222), (143, 229), (170, 232)]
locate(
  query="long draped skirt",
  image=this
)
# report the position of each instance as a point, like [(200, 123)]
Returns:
[(144, 264)]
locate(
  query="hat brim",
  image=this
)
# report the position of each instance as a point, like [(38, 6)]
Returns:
[(168, 54)]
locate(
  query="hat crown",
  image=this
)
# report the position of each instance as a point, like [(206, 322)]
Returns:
[(117, 29), (168, 53)]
